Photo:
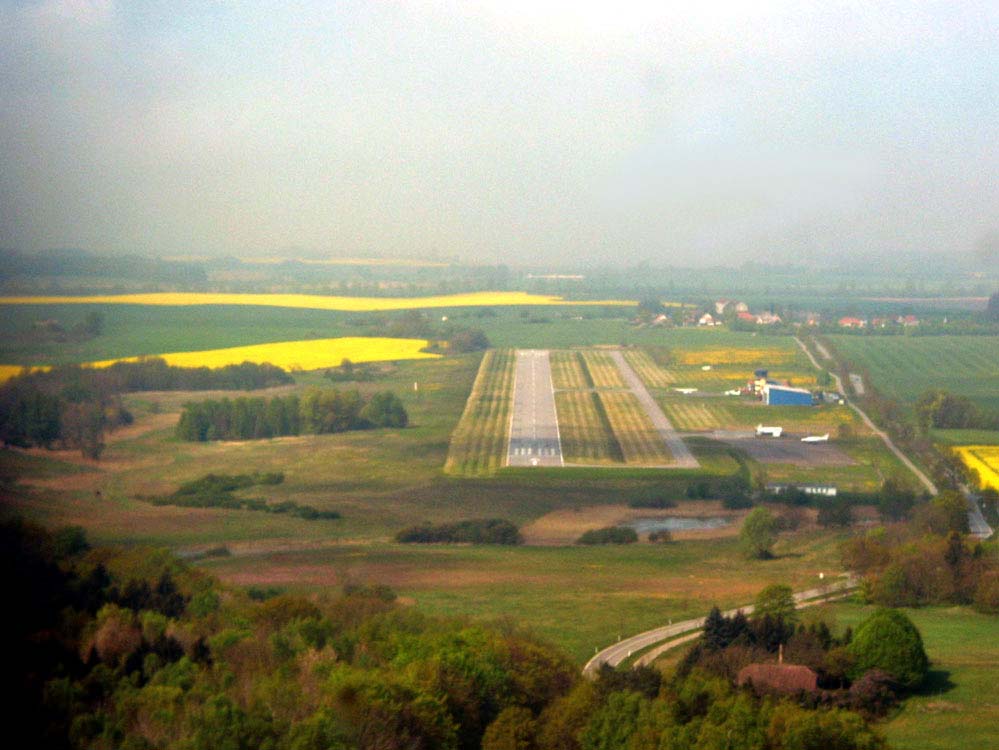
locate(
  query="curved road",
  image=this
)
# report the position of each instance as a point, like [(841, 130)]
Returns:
[(622, 650)]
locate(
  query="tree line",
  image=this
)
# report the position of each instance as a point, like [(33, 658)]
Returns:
[(73, 406), (317, 411)]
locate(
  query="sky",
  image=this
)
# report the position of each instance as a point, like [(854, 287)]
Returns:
[(514, 131)]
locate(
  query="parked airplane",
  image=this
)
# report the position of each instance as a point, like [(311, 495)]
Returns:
[(733, 392), (685, 391), (762, 431), (816, 438)]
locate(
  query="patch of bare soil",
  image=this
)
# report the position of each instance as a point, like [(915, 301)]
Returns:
[(565, 526)]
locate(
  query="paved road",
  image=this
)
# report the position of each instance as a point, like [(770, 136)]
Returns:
[(686, 630), (976, 521), (682, 457), (925, 480), (534, 438)]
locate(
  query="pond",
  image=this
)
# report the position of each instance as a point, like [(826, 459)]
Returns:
[(677, 523)]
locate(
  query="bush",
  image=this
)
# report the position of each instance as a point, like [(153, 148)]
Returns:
[(609, 535), (663, 536), (657, 503), (475, 531), (887, 640)]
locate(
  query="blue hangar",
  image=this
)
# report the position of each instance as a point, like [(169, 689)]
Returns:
[(785, 395)]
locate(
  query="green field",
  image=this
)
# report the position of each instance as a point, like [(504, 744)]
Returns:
[(959, 706), (905, 367)]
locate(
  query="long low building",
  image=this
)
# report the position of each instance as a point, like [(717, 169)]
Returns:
[(785, 395)]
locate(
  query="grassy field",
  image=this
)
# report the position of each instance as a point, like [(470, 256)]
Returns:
[(479, 442), (904, 367), (602, 369), (578, 597), (640, 442), (567, 371), (959, 706), (586, 436), (646, 368)]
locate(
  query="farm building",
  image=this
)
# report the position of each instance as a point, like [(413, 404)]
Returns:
[(825, 490), (785, 395)]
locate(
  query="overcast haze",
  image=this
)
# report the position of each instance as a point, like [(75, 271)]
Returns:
[(517, 130)]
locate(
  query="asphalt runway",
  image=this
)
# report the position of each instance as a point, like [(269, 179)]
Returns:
[(534, 438)]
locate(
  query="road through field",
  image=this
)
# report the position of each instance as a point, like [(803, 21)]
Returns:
[(534, 436), (682, 457), (680, 631)]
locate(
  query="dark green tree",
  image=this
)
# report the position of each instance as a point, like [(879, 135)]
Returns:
[(887, 640)]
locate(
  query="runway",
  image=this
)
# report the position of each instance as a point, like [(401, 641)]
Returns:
[(534, 436)]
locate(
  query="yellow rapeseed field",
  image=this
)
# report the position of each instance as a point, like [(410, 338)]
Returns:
[(313, 301), (984, 459), (734, 356), (311, 354)]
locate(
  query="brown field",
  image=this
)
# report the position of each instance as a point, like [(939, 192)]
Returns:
[(564, 526)]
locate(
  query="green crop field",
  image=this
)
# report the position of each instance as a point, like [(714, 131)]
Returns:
[(905, 367), (959, 706), (696, 414), (479, 442)]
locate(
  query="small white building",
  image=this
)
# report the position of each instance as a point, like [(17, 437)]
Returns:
[(823, 490)]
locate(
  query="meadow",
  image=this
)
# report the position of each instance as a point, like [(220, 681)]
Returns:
[(905, 367), (959, 704), (579, 597)]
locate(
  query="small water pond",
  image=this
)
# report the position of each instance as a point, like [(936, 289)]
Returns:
[(677, 523)]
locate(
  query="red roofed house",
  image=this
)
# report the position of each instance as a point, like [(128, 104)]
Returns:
[(852, 323)]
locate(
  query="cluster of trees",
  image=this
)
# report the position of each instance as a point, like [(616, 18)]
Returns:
[(473, 531), (348, 372), (609, 535), (318, 411), (89, 328), (131, 649), (912, 566), (942, 410), (74, 406), (218, 491), (866, 671)]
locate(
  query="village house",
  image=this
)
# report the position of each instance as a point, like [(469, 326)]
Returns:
[(849, 322)]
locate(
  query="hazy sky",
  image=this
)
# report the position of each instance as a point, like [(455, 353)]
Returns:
[(500, 130)]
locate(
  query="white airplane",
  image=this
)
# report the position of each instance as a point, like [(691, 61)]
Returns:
[(762, 431), (816, 438), (685, 391), (733, 392)]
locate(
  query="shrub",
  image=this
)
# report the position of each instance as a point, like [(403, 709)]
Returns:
[(887, 640), (662, 536), (475, 531), (609, 535)]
